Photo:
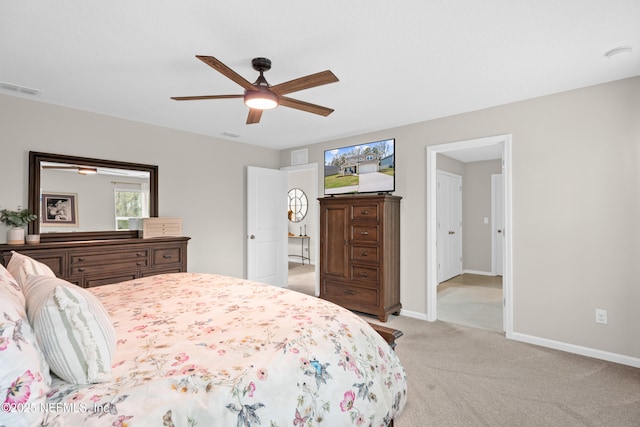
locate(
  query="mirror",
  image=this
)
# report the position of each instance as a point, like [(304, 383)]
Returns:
[(297, 205), (75, 198)]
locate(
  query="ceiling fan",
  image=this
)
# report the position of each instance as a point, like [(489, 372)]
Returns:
[(82, 170), (260, 95)]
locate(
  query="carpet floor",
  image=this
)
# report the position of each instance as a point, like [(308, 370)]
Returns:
[(464, 376), (461, 375)]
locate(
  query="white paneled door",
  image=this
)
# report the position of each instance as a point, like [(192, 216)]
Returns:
[(497, 224), (267, 226), (449, 225)]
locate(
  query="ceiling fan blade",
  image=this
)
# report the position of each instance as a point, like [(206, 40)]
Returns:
[(307, 82), (254, 116), (223, 69), (194, 98), (305, 106)]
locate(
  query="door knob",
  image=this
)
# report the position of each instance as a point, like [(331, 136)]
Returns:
[(252, 237), (452, 232), (499, 231)]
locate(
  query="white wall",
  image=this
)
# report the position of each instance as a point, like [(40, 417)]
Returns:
[(576, 209), (201, 179)]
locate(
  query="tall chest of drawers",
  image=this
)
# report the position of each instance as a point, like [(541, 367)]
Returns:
[(360, 253), (101, 262)]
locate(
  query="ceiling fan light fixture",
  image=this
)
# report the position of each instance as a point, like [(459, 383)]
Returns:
[(87, 171), (260, 99)]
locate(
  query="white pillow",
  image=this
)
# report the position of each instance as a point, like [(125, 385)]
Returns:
[(73, 329), (24, 374), (20, 266)]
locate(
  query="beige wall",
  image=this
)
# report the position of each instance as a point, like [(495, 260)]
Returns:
[(576, 197), (476, 205), (201, 179), (576, 209)]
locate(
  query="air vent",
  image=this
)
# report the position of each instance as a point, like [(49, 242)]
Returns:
[(300, 157), (19, 89), (231, 134)]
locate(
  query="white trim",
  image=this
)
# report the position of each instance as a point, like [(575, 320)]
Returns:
[(478, 272), (413, 314), (431, 229), (576, 349)]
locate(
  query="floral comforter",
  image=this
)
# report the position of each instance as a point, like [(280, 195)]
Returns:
[(209, 350)]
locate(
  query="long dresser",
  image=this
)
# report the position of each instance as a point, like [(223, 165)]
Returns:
[(360, 253), (101, 262)]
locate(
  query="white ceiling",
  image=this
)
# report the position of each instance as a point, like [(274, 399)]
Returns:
[(398, 62)]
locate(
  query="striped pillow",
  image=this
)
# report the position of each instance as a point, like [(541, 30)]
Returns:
[(20, 266), (72, 328)]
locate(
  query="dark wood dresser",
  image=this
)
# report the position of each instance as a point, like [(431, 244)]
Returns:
[(360, 253), (101, 262)]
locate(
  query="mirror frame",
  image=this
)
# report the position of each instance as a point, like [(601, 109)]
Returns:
[(305, 204), (35, 162)]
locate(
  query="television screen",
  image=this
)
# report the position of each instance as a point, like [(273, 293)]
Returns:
[(362, 168)]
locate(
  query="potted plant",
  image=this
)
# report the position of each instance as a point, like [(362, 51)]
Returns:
[(16, 220)]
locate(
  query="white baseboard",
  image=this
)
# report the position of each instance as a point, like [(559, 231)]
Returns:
[(556, 345), (481, 273), (413, 314), (576, 349)]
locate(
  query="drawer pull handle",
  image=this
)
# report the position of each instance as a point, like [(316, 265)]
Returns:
[(166, 256), (364, 233), (364, 274), (81, 270), (349, 292), (81, 259), (140, 254), (365, 212), (365, 254), (138, 263)]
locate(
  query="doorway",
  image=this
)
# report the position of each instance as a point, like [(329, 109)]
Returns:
[(303, 244), (472, 148)]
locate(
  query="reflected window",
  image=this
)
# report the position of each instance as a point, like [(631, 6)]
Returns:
[(128, 206)]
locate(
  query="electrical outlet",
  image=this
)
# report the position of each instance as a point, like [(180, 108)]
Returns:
[(601, 316)]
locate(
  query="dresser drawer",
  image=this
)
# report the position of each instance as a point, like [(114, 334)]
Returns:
[(365, 213), (108, 257), (365, 253), (364, 233), (350, 296), (88, 269), (364, 274), (99, 281), (162, 256)]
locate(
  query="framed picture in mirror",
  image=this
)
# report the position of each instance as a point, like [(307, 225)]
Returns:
[(59, 209)]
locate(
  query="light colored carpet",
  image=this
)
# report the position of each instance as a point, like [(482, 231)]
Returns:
[(468, 376), (472, 300), (302, 278), (463, 376)]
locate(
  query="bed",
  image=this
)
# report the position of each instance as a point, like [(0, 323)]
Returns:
[(189, 349)]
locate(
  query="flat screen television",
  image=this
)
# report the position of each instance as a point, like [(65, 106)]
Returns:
[(362, 168)]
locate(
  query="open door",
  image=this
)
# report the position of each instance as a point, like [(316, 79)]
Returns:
[(267, 226), (449, 223)]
